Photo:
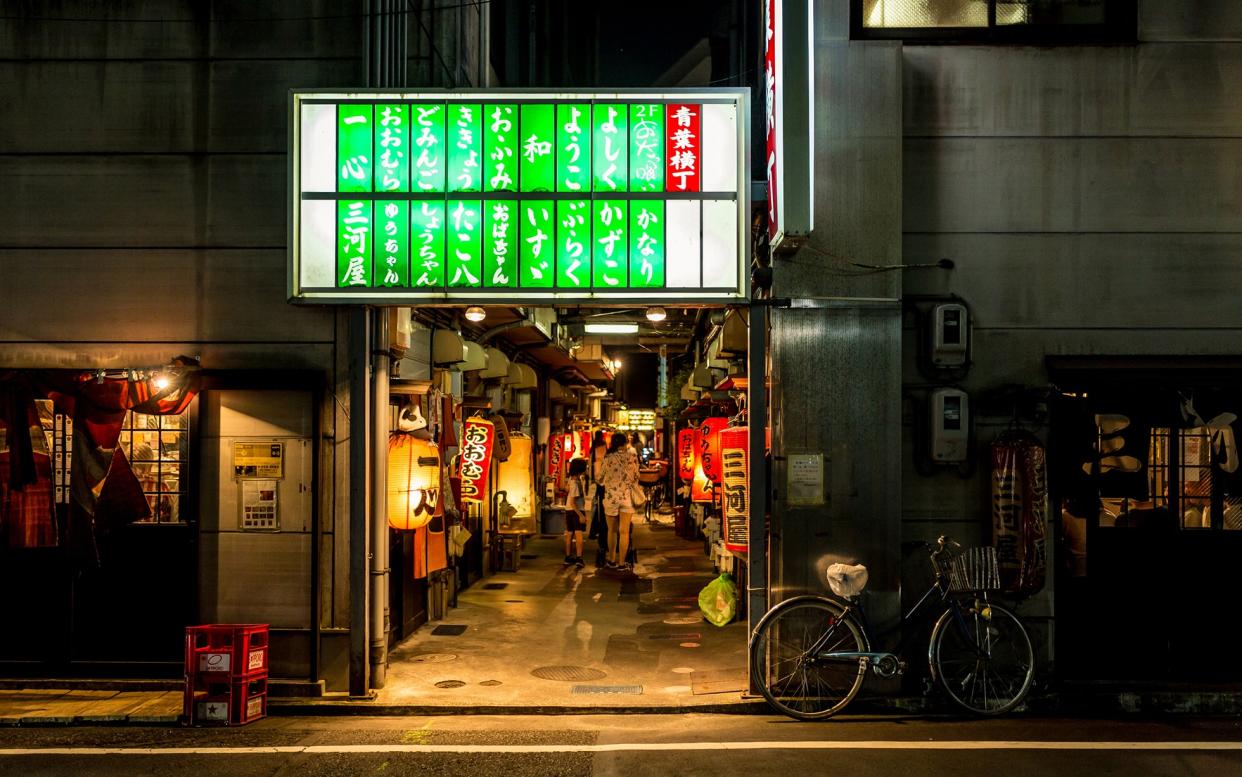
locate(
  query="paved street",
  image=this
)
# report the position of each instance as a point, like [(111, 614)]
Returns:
[(633, 745)]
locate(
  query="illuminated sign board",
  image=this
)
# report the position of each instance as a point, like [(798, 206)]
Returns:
[(502, 196)]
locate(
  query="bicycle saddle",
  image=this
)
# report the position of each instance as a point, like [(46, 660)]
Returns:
[(847, 580)]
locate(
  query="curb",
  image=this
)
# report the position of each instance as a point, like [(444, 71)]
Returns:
[(302, 708)]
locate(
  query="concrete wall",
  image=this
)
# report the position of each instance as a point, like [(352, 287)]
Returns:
[(1089, 197), (142, 210), (836, 366)]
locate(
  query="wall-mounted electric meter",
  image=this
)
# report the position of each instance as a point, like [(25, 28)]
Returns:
[(950, 425)]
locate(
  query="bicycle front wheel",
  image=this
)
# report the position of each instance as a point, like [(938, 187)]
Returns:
[(984, 660), (791, 663)]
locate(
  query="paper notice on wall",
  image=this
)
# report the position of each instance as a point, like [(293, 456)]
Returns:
[(805, 487), (259, 506)]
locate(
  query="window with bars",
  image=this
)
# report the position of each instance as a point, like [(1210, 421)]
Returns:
[(158, 450), (1184, 484), (1046, 21)]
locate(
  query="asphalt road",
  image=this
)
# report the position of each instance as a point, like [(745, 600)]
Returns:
[(634, 746)]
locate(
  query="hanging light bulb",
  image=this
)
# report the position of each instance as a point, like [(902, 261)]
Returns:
[(656, 314), (475, 313), (161, 381)]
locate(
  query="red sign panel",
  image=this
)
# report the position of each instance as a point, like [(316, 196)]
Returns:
[(686, 454), (769, 82), (476, 459), (684, 144), (735, 488)]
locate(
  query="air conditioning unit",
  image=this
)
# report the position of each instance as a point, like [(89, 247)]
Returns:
[(497, 364), (447, 347)]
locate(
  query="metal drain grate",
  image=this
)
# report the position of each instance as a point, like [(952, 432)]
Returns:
[(567, 673), (448, 630), (494, 586), (450, 684), (581, 690), (490, 683), (433, 658)]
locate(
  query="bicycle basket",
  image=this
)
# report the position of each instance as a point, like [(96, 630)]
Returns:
[(974, 569)]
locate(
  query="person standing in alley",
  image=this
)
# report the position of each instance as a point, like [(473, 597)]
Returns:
[(599, 527), (620, 475), (577, 511)]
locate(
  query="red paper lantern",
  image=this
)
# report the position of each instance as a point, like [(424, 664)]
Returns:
[(686, 454), (476, 458), (709, 446)]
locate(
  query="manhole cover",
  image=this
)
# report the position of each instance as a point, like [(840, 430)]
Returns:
[(579, 690), (567, 673), (515, 601), (490, 683), (450, 684), (683, 620), (433, 658), (448, 630), (679, 637), (688, 644), (494, 586)]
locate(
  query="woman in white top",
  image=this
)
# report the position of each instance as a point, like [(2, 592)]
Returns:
[(620, 475)]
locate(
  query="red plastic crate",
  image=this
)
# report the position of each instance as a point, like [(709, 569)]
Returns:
[(235, 703), (226, 650)]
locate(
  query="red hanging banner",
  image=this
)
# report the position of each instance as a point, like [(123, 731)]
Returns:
[(709, 446), (685, 454), (684, 144), (476, 459), (735, 488)]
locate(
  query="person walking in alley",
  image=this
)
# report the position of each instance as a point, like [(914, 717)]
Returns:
[(620, 475)]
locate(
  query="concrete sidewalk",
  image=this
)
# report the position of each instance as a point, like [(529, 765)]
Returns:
[(51, 707)]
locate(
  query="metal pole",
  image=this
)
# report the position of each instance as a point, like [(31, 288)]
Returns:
[(379, 500), (359, 379), (757, 421)]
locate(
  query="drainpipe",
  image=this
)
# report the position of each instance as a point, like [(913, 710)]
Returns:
[(379, 617)]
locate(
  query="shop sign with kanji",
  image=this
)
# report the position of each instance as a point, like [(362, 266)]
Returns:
[(492, 196)]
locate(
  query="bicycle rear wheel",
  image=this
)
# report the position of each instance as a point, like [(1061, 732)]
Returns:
[(984, 662), (795, 682)]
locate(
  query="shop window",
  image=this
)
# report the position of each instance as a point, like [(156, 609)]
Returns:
[(1185, 488), (1045, 21), (158, 450)]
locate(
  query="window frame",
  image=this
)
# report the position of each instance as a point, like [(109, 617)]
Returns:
[(183, 493), (1120, 27)]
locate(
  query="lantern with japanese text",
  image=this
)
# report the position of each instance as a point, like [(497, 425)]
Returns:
[(735, 488), (514, 477), (686, 454), (413, 482), (709, 446), (475, 459)]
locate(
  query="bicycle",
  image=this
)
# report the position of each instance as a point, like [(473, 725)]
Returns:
[(810, 654)]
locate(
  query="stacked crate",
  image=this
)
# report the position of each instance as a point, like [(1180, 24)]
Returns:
[(226, 673)]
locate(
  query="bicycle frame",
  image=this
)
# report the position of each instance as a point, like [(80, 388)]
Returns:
[(873, 658)]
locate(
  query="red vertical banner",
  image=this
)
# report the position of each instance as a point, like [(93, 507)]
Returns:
[(709, 446), (686, 454), (556, 458), (684, 144), (769, 83), (735, 488), (476, 458)]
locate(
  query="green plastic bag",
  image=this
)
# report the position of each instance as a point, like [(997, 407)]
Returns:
[(718, 600)]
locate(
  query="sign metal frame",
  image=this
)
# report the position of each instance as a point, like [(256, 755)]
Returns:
[(465, 296)]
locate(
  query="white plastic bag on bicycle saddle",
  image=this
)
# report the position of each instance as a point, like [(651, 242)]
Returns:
[(847, 580)]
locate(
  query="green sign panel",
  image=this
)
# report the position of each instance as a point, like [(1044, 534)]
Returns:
[(505, 196)]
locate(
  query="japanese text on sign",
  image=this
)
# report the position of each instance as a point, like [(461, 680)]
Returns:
[(567, 196)]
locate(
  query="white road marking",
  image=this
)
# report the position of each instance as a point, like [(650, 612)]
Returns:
[(623, 747)]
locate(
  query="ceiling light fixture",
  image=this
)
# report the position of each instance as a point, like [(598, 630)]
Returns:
[(628, 328), (656, 314), (475, 313)]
